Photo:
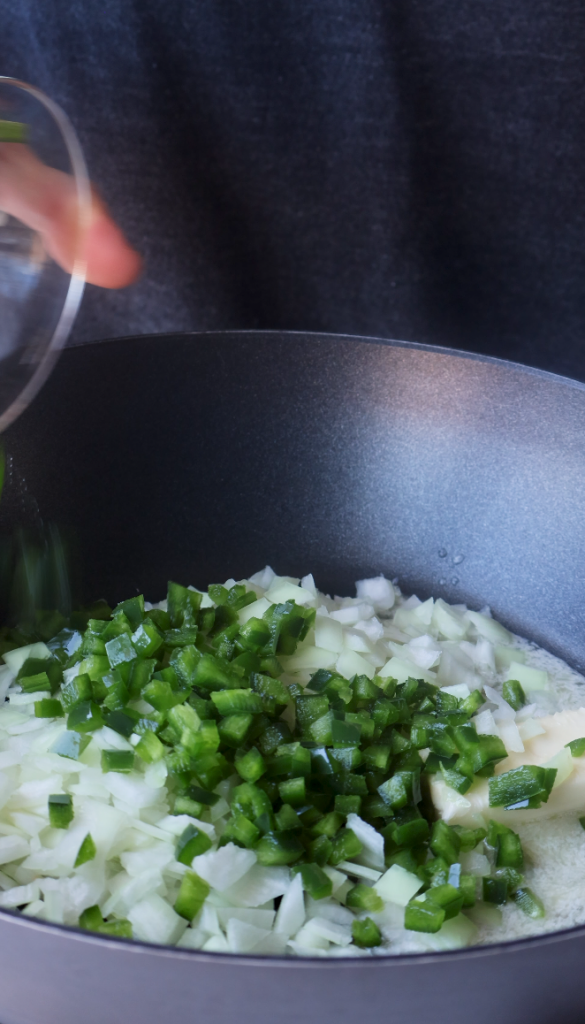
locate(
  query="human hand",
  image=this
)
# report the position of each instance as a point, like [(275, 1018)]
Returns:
[(44, 199)]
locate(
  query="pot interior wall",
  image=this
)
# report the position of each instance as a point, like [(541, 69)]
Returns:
[(198, 457)]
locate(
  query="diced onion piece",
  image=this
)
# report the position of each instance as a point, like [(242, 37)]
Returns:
[(281, 590), (224, 867), (530, 728), (328, 634), (16, 659), (291, 912), (489, 628), (153, 920), (372, 841), (564, 764), (401, 669), (529, 678), (377, 591), (398, 885), (350, 664), (254, 610)]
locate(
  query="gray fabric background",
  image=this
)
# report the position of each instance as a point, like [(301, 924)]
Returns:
[(404, 168)]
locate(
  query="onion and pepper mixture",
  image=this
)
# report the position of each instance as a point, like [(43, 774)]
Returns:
[(262, 769)]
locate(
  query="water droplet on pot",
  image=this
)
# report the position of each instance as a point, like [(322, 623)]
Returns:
[(454, 580), (442, 581), (458, 559), (442, 552)]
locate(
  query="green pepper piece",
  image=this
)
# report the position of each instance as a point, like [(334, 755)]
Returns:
[(577, 747), (91, 919), (182, 604), (446, 896), (250, 800), (366, 933), (276, 848), (495, 890), (346, 846), (150, 748), (60, 810), (513, 693), (85, 717), (347, 804), (445, 842), (423, 916), (528, 785), (329, 825), (192, 895), (36, 684), (250, 766), (48, 708), (528, 902), (318, 885), (364, 897), (117, 760), (293, 791), (192, 842), (237, 702), (120, 649), (118, 929), (87, 851)]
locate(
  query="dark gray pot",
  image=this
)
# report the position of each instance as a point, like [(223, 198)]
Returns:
[(201, 456)]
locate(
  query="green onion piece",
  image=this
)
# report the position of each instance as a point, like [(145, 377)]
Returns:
[(87, 851), (366, 933), (577, 747), (48, 708), (91, 919), (529, 786), (529, 903), (513, 693), (318, 885), (190, 844), (117, 760), (423, 916), (150, 748), (60, 810), (85, 717), (13, 131), (346, 845), (192, 895), (363, 897), (278, 848)]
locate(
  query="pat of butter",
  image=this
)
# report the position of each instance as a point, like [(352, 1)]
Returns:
[(568, 796)]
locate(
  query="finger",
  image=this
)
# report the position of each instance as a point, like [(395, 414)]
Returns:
[(45, 199)]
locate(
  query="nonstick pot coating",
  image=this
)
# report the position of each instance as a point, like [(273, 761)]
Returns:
[(198, 457)]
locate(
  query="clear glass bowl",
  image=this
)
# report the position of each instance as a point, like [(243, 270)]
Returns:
[(38, 298)]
